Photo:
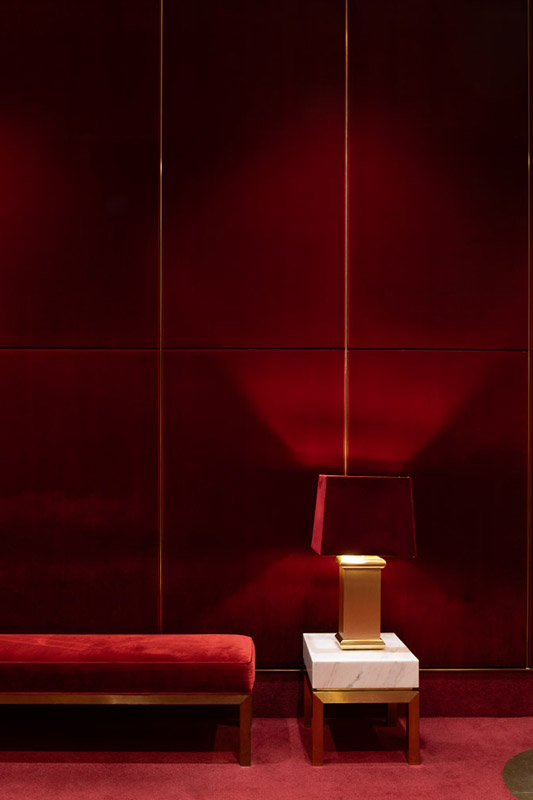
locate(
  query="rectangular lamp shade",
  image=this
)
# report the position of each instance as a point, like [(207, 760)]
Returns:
[(364, 516)]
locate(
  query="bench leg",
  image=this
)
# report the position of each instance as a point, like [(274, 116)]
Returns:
[(245, 732)]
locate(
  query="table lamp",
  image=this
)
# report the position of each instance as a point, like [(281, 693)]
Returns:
[(355, 516)]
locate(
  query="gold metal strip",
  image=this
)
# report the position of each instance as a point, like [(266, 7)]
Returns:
[(365, 695), (346, 251), (160, 333), (529, 334), (475, 669), (425, 669), (370, 689), (61, 698)]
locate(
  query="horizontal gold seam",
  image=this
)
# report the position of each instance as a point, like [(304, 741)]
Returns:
[(422, 669)]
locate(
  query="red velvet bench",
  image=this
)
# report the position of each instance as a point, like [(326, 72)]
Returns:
[(102, 669)]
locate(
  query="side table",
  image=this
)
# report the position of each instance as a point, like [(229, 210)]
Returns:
[(359, 676)]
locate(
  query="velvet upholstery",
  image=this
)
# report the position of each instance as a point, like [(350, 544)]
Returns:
[(120, 664)]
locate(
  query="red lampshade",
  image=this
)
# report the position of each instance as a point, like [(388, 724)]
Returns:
[(364, 516)]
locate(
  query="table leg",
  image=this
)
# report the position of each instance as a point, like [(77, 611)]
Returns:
[(308, 701), (413, 730), (392, 714), (317, 732), (245, 732)]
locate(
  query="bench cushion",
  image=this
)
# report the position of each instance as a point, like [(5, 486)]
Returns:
[(122, 664)]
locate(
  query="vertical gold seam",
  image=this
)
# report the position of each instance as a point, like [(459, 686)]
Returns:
[(529, 334), (346, 253), (160, 332)]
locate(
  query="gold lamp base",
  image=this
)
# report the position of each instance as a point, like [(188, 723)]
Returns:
[(360, 602), (359, 644)]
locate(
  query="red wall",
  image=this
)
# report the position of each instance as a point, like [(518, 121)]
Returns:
[(253, 314), (79, 161)]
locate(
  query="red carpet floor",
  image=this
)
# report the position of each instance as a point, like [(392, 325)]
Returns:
[(463, 759)]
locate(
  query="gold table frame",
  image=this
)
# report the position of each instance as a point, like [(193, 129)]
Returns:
[(244, 701), (315, 699)]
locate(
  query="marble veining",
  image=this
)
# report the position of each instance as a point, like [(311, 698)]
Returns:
[(329, 667)]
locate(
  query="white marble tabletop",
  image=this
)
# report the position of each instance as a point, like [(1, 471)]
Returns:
[(329, 667)]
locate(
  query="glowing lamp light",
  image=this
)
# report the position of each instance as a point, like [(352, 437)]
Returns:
[(352, 560), (355, 515)]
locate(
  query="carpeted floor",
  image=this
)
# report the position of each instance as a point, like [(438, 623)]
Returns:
[(76, 756)]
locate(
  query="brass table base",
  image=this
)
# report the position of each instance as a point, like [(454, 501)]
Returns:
[(315, 699), (359, 644)]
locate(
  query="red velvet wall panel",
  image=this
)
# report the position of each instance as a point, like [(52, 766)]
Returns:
[(245, 435), (78, 236), (253, 271), (79, 161), (78, 516), (438, 264), (438, 178), (457, 423), (254, 173)]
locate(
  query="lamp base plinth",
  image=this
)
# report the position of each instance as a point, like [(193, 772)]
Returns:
[(360, 603), (359, 644)]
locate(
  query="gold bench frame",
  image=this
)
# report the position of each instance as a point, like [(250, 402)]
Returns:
[(244, 701)]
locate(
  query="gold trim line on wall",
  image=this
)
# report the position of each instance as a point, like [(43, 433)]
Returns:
[(346, 244), (529, 338), (160, 335), (302, 670)]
